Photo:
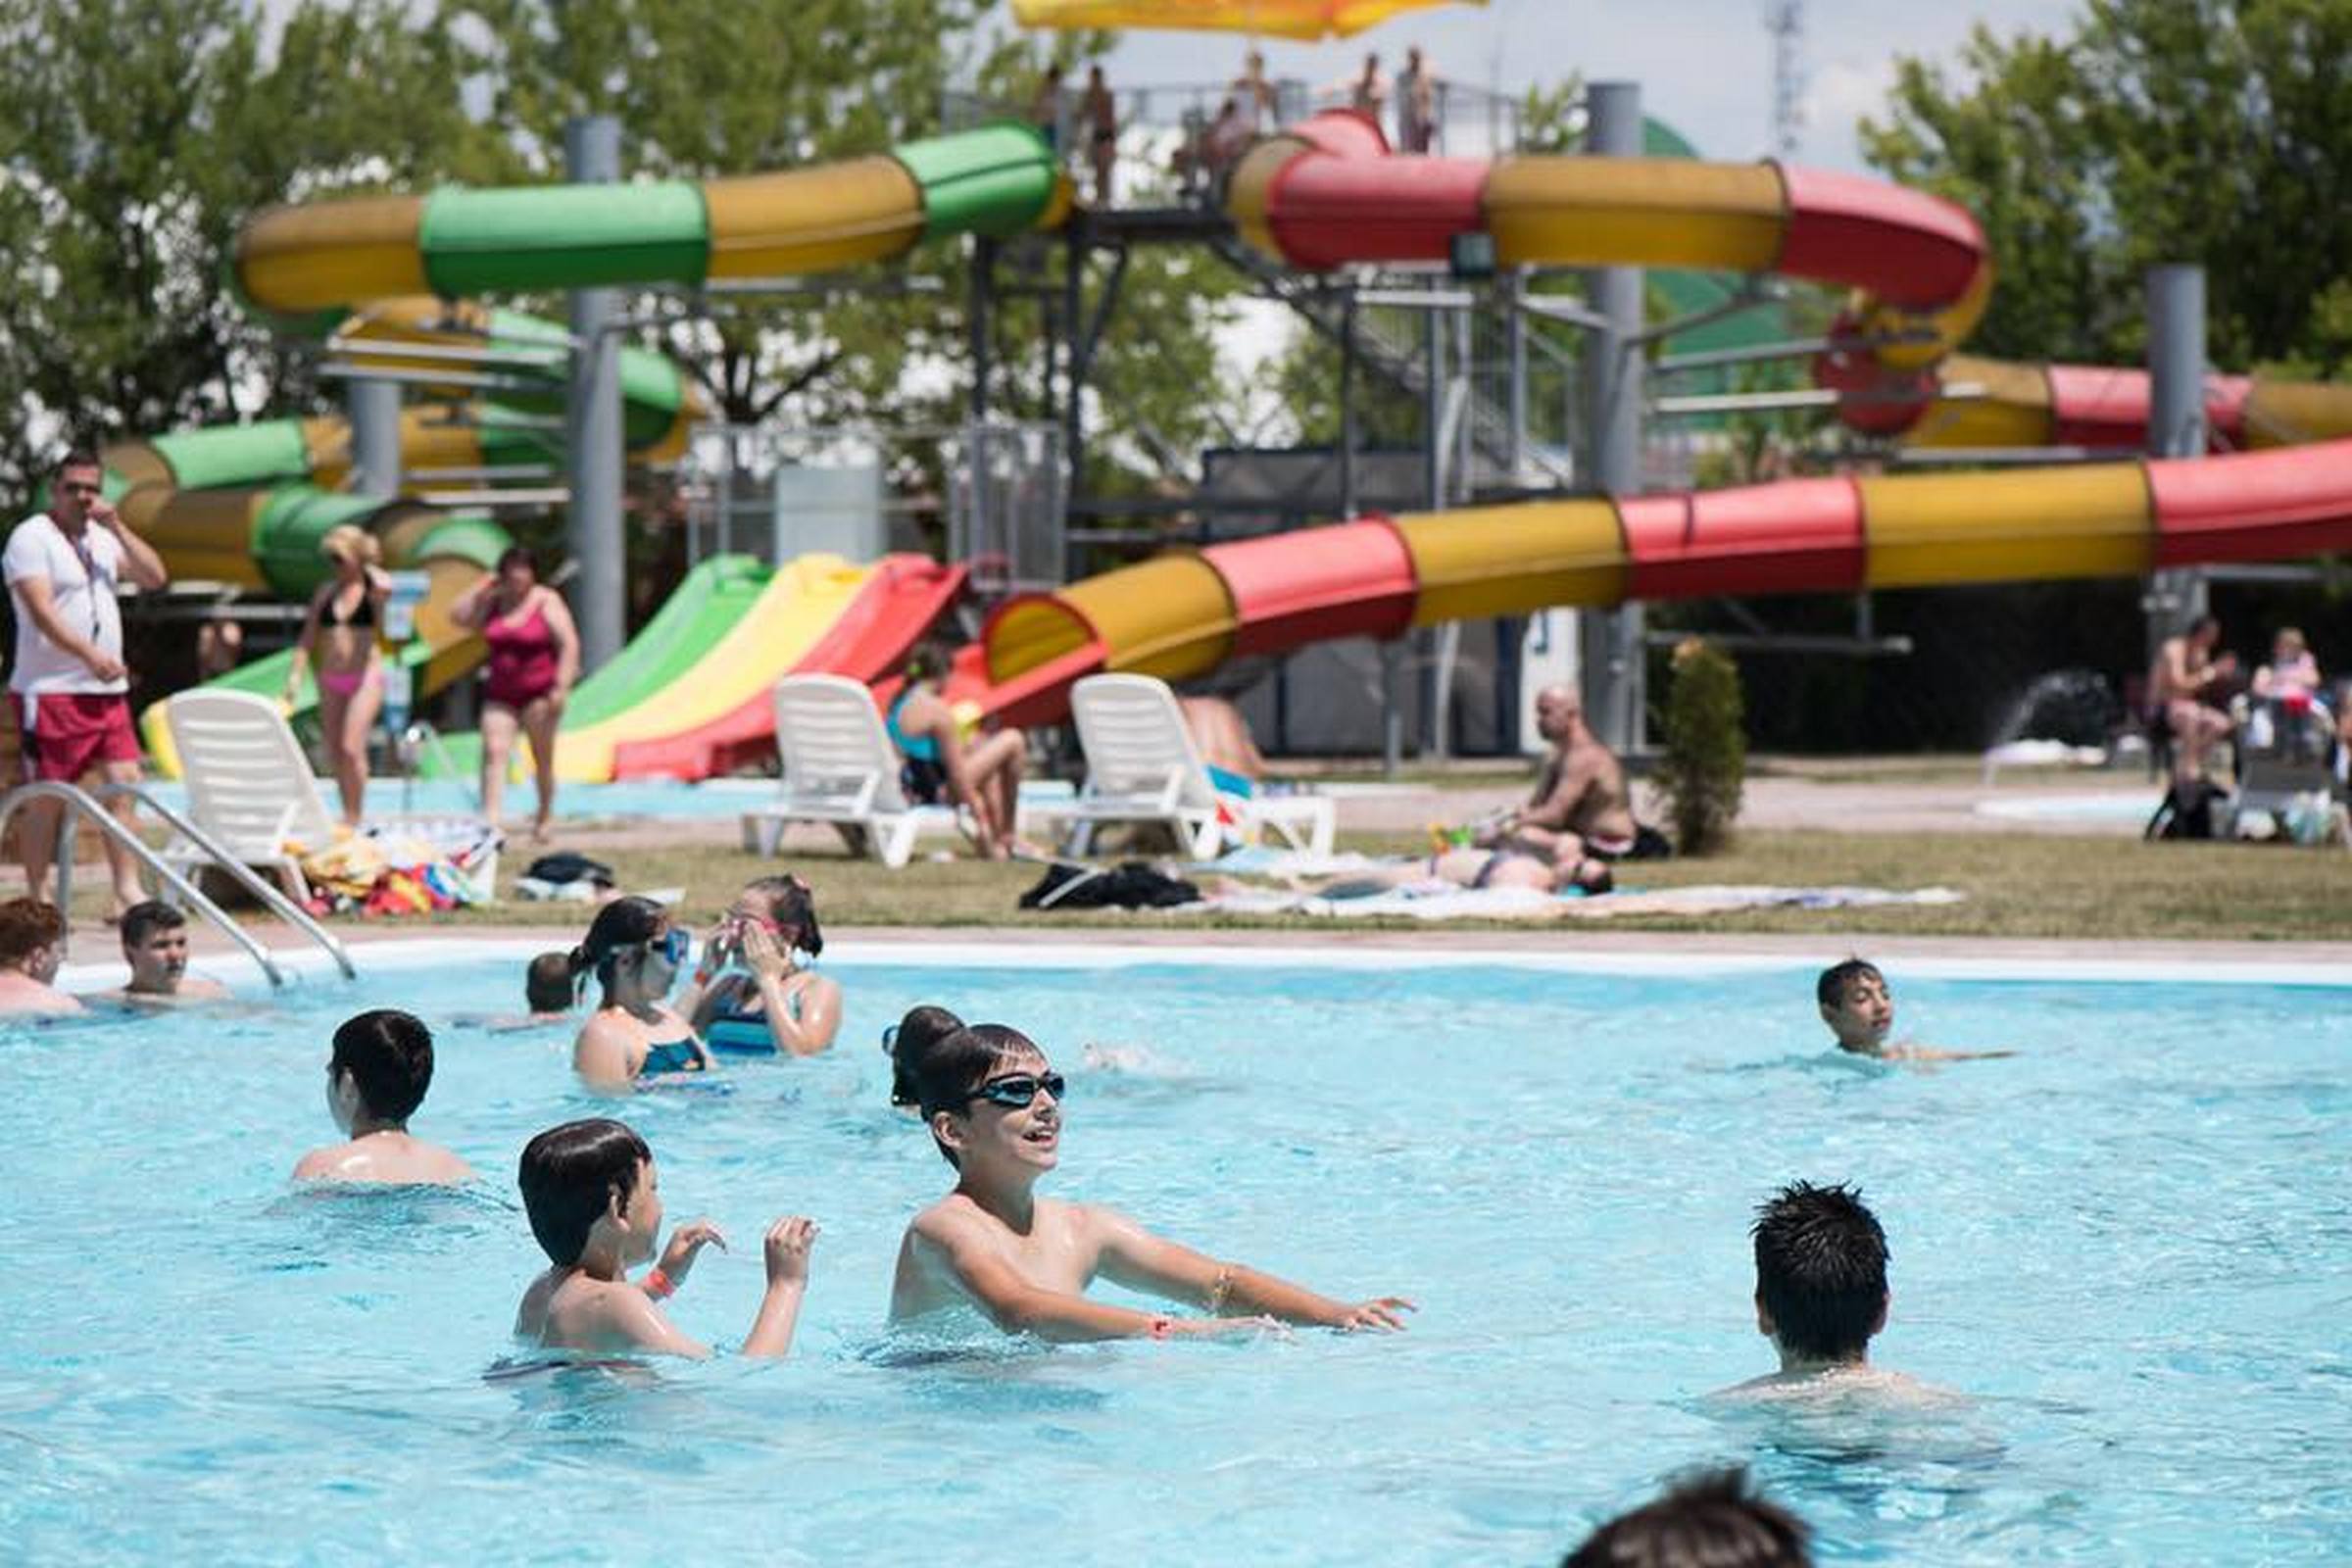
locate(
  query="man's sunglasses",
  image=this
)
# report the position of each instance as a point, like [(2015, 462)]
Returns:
[(1018, 1091)]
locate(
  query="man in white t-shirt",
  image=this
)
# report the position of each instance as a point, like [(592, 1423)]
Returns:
[(72, 705)]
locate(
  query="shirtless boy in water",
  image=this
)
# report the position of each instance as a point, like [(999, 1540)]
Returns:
[(595, 1204), (995, 1108), (376, 1074), (1858, 1005)]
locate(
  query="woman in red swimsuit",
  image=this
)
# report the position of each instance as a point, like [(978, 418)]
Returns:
[(339, 638), (534, 658)]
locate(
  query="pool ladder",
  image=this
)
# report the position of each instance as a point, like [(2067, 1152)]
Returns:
[(91, 808)]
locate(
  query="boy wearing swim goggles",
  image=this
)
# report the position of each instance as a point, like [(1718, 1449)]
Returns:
[(994, 1106)]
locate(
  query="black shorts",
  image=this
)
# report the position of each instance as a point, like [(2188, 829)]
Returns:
[(924, 780)]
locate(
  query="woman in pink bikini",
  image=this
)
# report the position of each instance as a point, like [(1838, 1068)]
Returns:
[(534, 658), (339, 639)]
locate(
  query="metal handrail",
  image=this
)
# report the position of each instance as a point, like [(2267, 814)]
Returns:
[(272, 897), (415, 738), (77, 801)]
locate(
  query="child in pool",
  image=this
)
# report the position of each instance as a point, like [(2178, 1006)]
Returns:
[(595, 1204), (635, 1034), (1858, 1005), (994, 1106), (906, 1043), (376, 1074), (549, 991), (1821, 1297)]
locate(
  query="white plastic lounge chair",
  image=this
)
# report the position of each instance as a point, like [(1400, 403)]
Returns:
[(249, 784), (1141, 767), (839, 768)]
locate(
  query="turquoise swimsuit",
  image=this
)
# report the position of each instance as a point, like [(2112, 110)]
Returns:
[(671, 1056), (736, 1029), (922, 776)]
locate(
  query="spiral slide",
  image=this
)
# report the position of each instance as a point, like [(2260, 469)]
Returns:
[(383, 273), (1327, 193)]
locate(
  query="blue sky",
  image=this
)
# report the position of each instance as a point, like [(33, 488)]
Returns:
[(1704, 66)]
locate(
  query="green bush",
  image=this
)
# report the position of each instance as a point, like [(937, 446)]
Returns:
[(1704, 768)]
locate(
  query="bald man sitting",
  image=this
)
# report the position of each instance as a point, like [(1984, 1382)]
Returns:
[(1581, 805)]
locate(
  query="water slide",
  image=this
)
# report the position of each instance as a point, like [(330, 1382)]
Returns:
[(379, 276), (1327, 193)]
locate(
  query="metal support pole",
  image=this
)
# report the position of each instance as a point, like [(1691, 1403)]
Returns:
[(1611, 641), (984, 276), (592, 422), (2176, 423), (374, 406), (1514, 320), (1348, 405), (1073, 323)]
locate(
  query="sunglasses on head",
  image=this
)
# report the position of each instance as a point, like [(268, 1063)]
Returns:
[(1018, 1091)]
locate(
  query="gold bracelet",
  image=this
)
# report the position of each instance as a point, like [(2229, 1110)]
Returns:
[(1219, 1291)]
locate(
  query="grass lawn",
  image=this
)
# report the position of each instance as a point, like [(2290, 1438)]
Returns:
[(2016, 886)]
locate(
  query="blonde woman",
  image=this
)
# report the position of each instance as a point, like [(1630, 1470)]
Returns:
[(339, 636)]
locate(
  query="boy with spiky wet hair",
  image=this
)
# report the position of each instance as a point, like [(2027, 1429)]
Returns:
[(1821, 1292)]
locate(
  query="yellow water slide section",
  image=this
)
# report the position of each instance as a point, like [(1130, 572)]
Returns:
[(1507, 561), (1635, 212), (324, 255), (801, 602), (1926, 531), (1169, 617), (820, 220), (2286, 414), (1989, 403)]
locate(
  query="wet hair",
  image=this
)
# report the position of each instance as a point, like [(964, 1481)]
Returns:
[(923, 1027), (1708, 1520), (26, 924), (618, 926), (1821, 1270), (1831, 988), (946, 1074), (549, 984), (931, 659), (350, 542), (518, 556), (569, 1175), (790, 904), (145, 919), (389, 1055)]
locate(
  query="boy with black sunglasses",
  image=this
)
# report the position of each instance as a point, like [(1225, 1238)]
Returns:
[(994, 1106)]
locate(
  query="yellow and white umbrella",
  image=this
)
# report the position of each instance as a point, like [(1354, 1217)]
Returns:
[(1275, 19)]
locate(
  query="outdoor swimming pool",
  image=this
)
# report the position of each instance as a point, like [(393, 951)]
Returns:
[(2133, 1244)]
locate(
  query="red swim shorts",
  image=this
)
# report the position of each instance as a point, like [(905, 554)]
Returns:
[(63, 735)]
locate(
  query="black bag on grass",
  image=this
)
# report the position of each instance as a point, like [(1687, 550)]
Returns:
[(2189, 810), (1129, 884)]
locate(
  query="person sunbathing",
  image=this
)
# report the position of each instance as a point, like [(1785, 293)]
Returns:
[(1477, 869)]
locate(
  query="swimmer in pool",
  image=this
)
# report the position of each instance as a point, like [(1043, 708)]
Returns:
[(32, 948), (994, 1106), (376, 1074), (634, 1034), (906, 1043), (1858, 1005), (155, 944), (1821, 1297), (548, 991), (750, 991), (595, 1203), (1709, 1520)]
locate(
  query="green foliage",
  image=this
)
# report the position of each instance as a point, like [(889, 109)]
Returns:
[(2214, 131), (133, 138), (1704, 766)]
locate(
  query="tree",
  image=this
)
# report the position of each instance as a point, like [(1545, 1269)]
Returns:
[(2213, 131), (134, 137)]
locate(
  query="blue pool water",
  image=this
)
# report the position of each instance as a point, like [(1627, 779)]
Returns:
[(2132, 1245)]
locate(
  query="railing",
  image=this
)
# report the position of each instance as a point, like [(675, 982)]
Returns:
[(81, 805), (417, 738)]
